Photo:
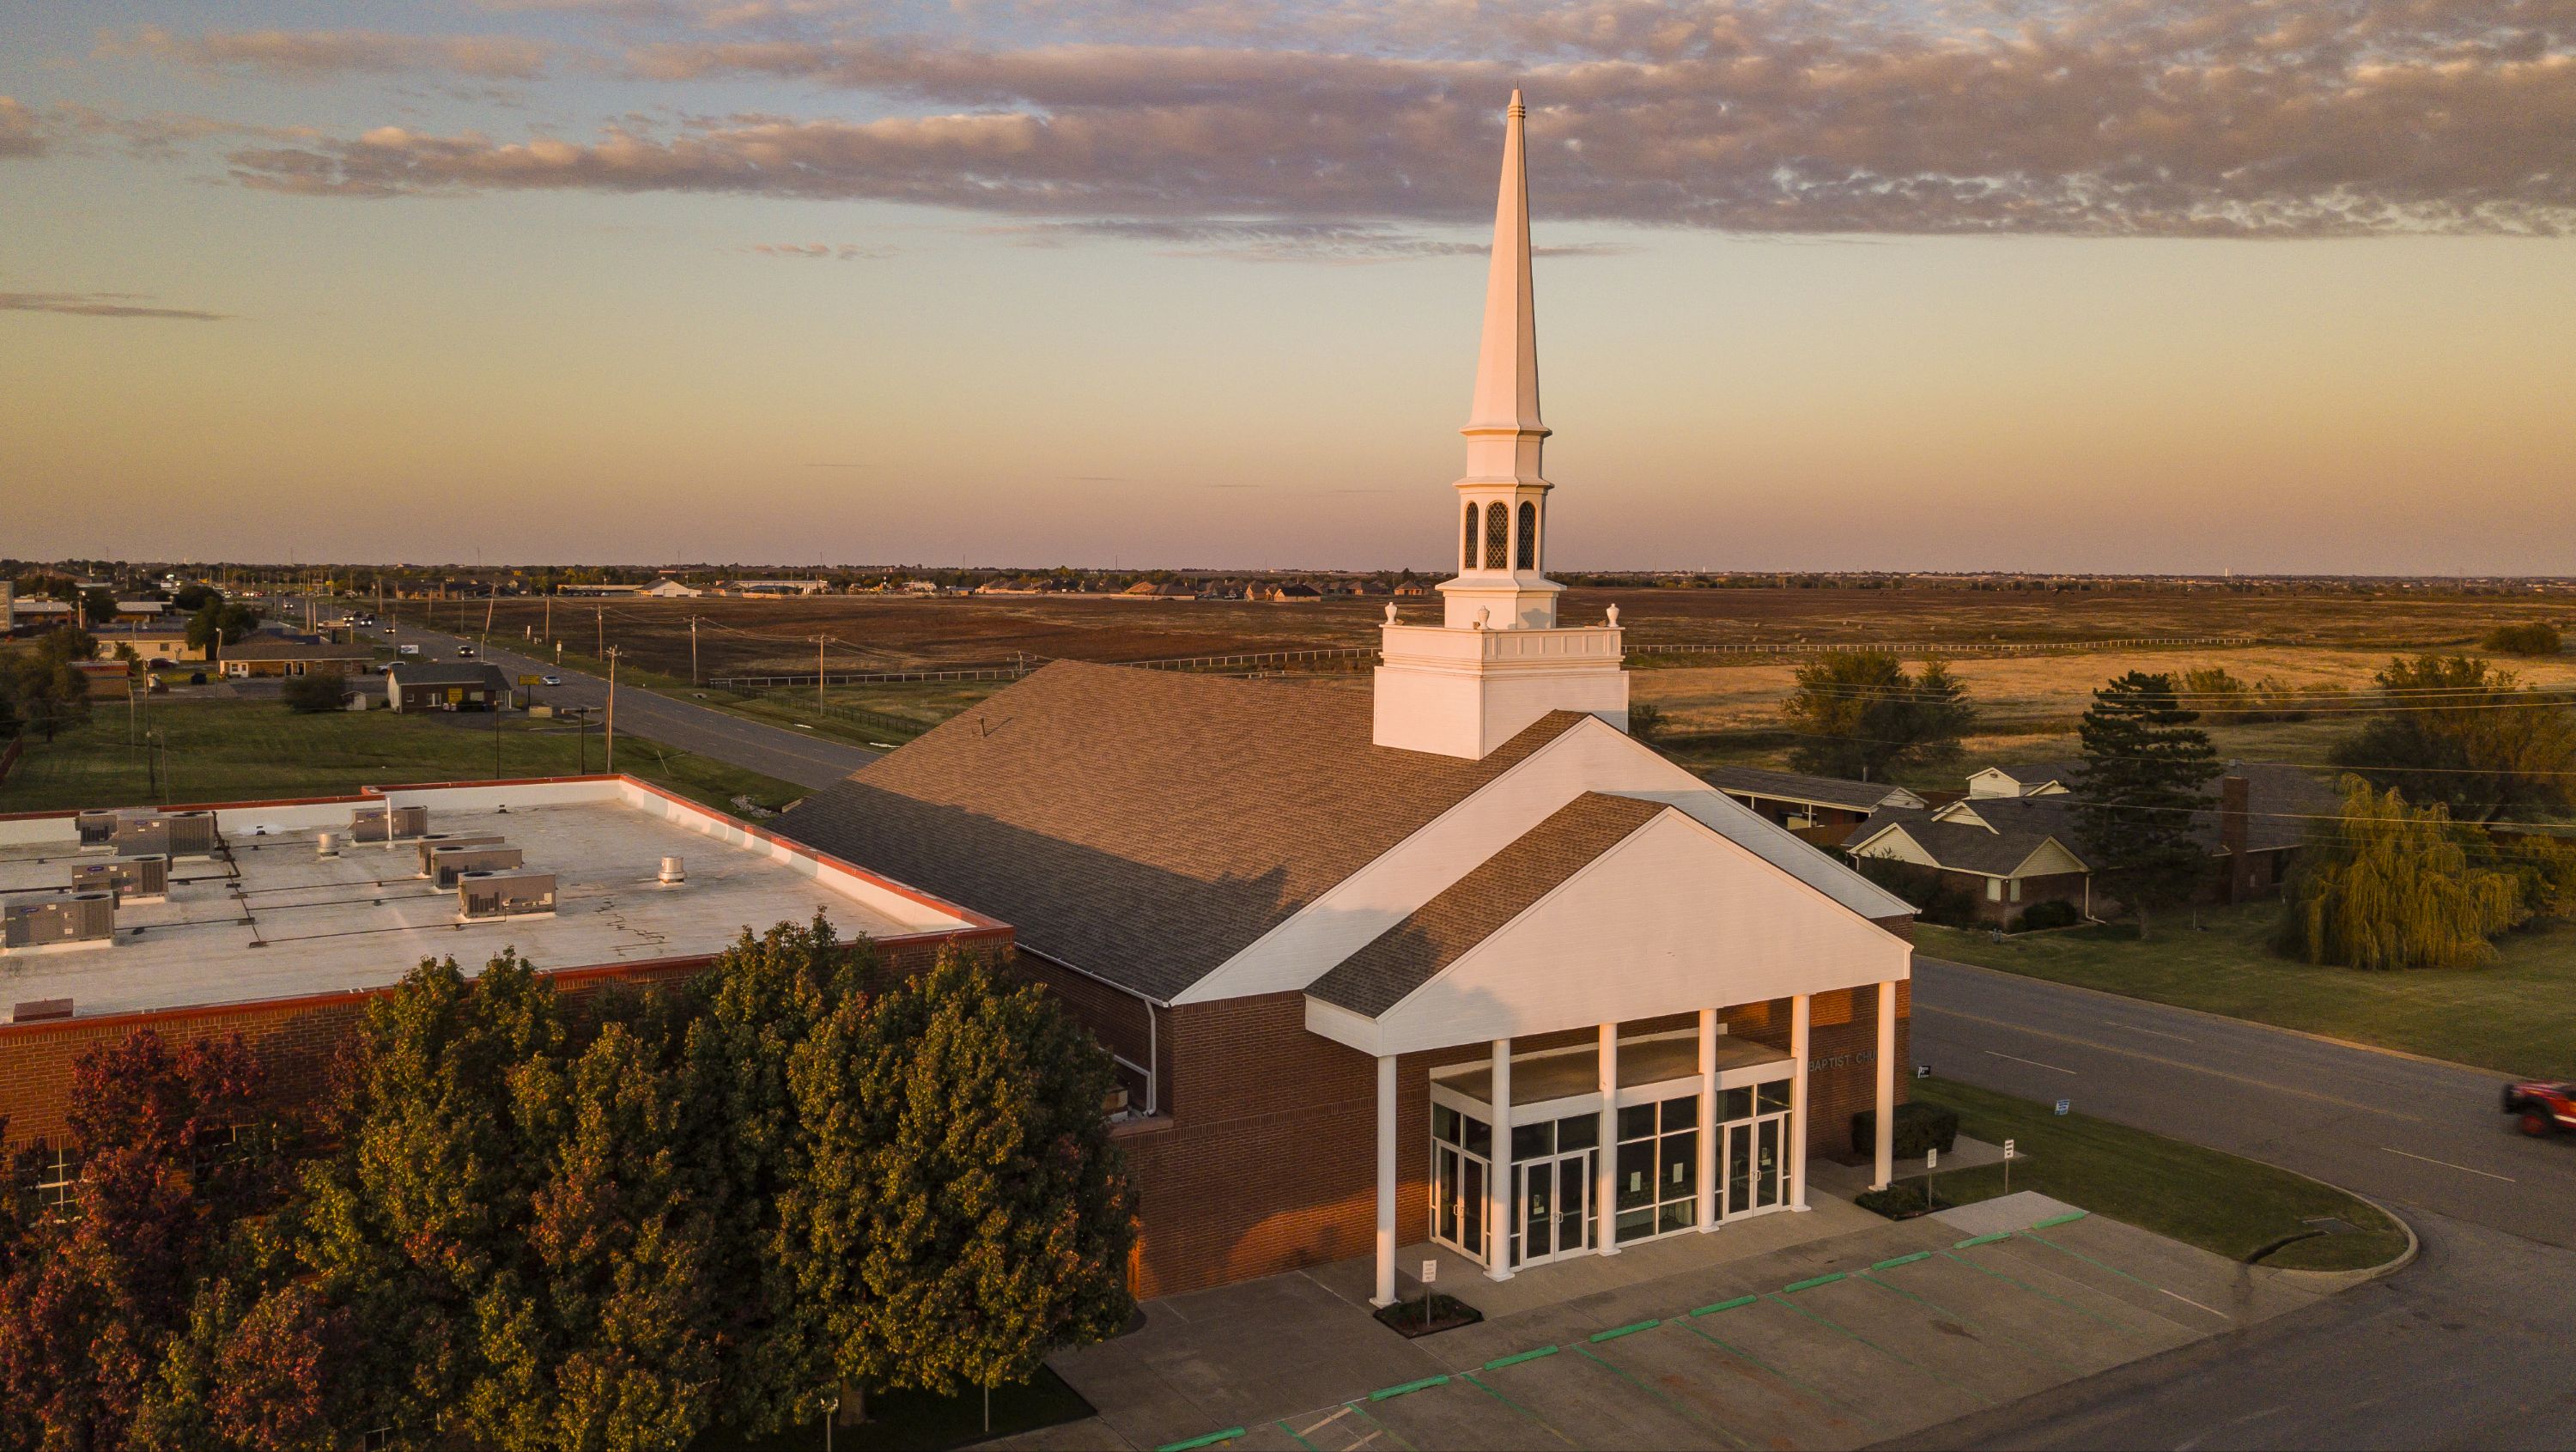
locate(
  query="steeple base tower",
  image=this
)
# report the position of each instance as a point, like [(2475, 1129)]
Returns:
[(1465, 692)]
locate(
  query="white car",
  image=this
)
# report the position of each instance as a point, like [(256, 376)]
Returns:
[(551, 680)]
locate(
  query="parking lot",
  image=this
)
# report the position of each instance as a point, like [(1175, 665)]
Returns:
[(1839, 1343)]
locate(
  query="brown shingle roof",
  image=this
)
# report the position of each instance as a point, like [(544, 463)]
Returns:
[(274, 647), (1144, 826), (1436, 934)]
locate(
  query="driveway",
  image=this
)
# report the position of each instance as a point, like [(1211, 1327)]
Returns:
[(797, 756)]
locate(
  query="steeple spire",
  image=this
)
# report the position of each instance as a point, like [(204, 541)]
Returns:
[(1503, 428)]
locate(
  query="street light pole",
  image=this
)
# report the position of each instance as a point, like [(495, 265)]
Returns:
[(610, 759)]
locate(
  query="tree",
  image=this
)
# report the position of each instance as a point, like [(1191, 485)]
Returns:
[(315, 692), (2462, 733), (1861, 715), (220, 623), (193, 598), (98, 607), (2388, 886), (92, 1294), (2144, 766), (1645, 721), (963, 1166), (2535, 637)]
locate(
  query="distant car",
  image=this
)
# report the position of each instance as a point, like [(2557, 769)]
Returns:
[(2541, 1108), (550, 680), (393, 630), (465, 650)]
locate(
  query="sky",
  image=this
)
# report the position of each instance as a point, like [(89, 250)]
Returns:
[(2141, 285)]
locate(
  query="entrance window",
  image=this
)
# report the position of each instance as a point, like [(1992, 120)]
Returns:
[(1551, 1189), (1462, 1149), (1753, 1142), (1658, 1168)]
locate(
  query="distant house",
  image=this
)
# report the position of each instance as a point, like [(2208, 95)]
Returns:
[(141, 611), (1290, 594), (155, 644), (1823, 809), (1148, 590), (283, 655), (670, 589), (441, 686), (774, 587), (601, 590), (1412, 589), (2013, 841)]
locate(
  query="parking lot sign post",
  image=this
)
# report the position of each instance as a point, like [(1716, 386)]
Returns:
[(2008, 1159), (1430, 1273)]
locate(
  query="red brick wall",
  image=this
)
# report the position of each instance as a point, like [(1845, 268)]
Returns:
[(296, 1037)]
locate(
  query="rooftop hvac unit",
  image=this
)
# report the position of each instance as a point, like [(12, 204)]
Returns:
[(437, 842), (192, 834), (388, 823), (129, 878), (447, 864), (97, 830), (83, 917), (140, 834), (504, 894)]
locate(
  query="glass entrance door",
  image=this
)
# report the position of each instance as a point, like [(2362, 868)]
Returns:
[(1753, 1146), (1553, 1203), (1460, 1148)]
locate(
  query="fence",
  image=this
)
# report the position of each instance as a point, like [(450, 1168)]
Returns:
[(1990, 647)]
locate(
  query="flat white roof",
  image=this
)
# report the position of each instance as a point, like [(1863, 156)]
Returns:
[(274, 919)]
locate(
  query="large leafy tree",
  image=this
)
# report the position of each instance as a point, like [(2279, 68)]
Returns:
[(220, 623), (1860, 714), (2144, 766), (93, 1290), (963, 1168), (50, 693), (2385, 885), (2457, 731)]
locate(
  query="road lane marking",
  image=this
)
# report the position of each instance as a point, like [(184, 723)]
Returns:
[(2135, 1029), (2446, 1164), (2246, 1079), (2018, 1059)]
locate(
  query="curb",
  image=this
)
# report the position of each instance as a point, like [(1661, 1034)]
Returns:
[(2330, 1283)]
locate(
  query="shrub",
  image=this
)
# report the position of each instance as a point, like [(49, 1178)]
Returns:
[(1902, 1201), (2045, 915), (1938, 900), (315, 693), (1919, 1127), (2537, 637)]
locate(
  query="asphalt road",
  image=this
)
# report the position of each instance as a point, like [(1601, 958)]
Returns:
[(2465, 1348), (801, 757)]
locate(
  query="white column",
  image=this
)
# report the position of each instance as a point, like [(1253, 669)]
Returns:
[(1499, 1208), (1385, 1182), (1800, 1006), (1886, 1085), (1605, 1188), (1707, 1119)]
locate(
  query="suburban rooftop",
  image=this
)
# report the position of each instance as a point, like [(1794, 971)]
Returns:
[(268, 916)]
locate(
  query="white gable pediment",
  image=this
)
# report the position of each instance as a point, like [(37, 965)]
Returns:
[(2050, 858), (1676, 917), (1593, 756), (1893, 842), (1963, 814)]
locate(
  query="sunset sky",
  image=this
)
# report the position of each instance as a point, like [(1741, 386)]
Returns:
[(2122, 286)]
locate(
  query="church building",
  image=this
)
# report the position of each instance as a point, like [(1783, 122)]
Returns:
[(1454, 960)]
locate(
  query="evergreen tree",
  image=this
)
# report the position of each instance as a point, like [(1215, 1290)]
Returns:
[(2387, 886), (2144, 766), (1859, 714)]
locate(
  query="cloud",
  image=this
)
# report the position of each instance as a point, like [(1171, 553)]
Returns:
[(2127, 117), (821, 251), (20, 135), (99, 305), (317, 55)]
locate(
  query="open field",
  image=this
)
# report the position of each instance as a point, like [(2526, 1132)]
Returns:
[(247, 750), (2230, 1206), (2517, 1015)]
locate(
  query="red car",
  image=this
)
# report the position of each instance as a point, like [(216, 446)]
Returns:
[(2543, 1108)]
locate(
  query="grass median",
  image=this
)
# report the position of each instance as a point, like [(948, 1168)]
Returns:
[(2222, 1203), (218, 751), (2516, 1015)]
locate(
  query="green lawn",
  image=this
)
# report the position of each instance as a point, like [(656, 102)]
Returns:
[(2223, 1204), (919, 1422), (248, 750), (2517, 1015)]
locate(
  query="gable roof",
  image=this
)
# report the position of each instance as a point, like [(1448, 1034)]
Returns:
[(1470, 910), (1831, 791), (445, 673), (1993, 836), (1144, 826)]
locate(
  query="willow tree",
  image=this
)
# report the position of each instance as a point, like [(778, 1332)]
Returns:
[(2385, 885)]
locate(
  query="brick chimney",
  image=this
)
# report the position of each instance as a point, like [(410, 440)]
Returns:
[(2234, 822)]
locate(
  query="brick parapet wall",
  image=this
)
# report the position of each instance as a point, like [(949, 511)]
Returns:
[(296, 1038)]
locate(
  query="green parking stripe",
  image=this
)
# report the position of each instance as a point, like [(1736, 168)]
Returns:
[(1984, 1240), (1894, 1261), (1726, 1305), (2112, 1322), (1210, 1440), (1426, 1384), (2068, 1218), (2070, 1367), (1811, 1283), (1897, 1356), (1630, 1329), (1283, 1426), (1499, 1362), (1731, 1349), (1685, 1413), (1535, 1419)]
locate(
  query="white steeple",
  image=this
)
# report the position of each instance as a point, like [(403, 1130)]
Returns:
[(1498, 661)]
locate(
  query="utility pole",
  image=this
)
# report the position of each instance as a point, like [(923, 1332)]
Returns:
[(693, 650), (599, 624), (491, 597), (550, 615), (818, 673), (611, 756)]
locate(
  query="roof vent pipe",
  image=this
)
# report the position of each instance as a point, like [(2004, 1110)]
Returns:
[(672, 871), (327, 844)]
